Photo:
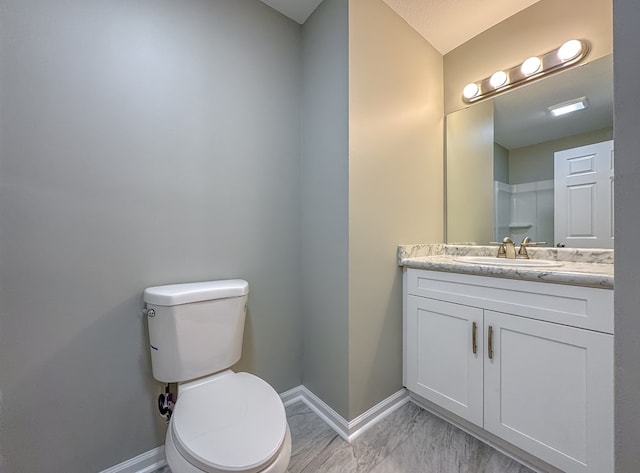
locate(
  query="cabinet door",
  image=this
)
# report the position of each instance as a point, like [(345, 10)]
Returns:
[(549, 390), (441, 364)]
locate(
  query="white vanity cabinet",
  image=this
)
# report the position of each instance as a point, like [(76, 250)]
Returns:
[(530, 362)]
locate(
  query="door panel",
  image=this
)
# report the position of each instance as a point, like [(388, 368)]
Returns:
[(441, 364), (549, 391)]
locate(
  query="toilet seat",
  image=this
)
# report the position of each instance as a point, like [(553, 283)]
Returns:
[(230, 422)]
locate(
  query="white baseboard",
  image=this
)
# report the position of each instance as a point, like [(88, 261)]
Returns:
[(348, 430), (378, 412), (147, 462), (291, 396), (323, 410), (153, 460)]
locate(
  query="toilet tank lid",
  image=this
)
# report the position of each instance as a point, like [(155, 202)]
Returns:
[(177, 294)]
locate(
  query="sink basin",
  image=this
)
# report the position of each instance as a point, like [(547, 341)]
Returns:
[(493, 261)]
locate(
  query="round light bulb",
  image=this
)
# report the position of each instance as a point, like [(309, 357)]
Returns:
[(570, 50), (531, 66), (470, 90), (498, 79)]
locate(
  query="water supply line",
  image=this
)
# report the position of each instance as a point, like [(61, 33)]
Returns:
[(166, 401)]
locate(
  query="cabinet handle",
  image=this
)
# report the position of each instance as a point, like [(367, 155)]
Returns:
[(474, 338), (490, 342)]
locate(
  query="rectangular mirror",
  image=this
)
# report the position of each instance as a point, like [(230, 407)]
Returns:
[(501, 159)]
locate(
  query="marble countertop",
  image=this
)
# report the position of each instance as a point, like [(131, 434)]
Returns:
[(584, 268)]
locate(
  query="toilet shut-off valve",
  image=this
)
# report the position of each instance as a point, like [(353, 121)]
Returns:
[(166, 403)]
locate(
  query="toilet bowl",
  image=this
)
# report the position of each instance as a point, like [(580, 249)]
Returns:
[(222, 421), (228, 422)]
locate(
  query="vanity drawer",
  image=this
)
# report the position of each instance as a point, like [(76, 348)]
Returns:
[(576, 306)]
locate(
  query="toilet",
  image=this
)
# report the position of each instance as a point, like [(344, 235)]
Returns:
[(222, 421)]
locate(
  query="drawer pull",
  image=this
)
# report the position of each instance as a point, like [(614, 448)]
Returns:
[(490, 342), (474, 338)]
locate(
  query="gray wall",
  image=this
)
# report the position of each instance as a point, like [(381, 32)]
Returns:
[(627, 268), (143, 143), (325, 203), (500, 163)]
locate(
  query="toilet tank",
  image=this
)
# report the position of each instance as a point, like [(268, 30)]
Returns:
[(195, 329)]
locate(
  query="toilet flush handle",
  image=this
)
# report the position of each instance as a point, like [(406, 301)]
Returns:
[(149, 312)]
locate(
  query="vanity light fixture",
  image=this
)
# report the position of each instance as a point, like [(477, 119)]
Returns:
[(569, 50), (470, 90), (531, 66), (498, 79), (569, 106), (535, 67)]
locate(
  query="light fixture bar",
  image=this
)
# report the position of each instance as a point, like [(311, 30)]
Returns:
[(569, 53), (569, 106)]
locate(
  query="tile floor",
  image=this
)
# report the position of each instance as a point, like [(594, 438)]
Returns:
[(409, 440)]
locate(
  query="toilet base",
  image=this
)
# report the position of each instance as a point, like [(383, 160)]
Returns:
[(179, 464)]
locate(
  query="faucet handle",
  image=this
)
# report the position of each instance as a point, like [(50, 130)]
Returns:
[(504, 240), (502, 249), (527, 241)]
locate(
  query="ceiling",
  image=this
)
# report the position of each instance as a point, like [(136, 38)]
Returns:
[(297, 10), (445, 24)]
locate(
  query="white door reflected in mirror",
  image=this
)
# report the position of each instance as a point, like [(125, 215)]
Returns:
[(583, 202)]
